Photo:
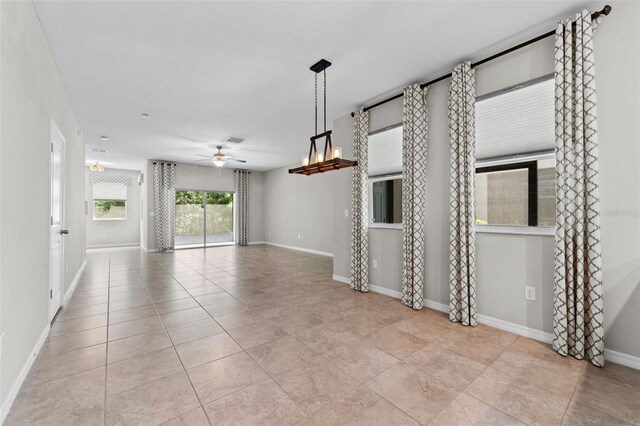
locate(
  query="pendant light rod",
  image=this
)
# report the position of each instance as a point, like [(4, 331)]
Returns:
[(325, 100), (316, 102), (605, 11)]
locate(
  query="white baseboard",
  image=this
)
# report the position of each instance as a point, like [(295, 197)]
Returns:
[(540, 335), (255, 243), (96, 246), (17, 384), (386, 291), (74, 283), (321, 253), (341, 279), (436, 306), (532, 333), (622, 358)]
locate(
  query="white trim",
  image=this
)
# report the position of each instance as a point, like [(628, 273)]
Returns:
[(542, 336), (436, 306), (386, 291), (95, 246), (255, 243), (306, 250), (395, 226), (341, 279), (511, 327), (13, 392), (74, 283), (515, 230), (622, 359)]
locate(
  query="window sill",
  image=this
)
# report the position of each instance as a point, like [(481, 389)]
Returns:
[(515, 230), (397, 226)]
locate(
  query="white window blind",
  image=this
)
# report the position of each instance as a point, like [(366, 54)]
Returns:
[(385, 152), (109, 191), (520, 121)]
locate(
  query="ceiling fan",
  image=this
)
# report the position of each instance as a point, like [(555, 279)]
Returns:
[(220, 159)]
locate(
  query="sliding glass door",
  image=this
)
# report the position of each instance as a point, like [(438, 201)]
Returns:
[(203, 218)]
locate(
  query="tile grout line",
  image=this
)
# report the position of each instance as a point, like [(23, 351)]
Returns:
[(246, 353), (106, 354), (487, 366), (186, 373)]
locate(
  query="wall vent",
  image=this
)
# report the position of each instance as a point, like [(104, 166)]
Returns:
[(104, 151), (233, 139)]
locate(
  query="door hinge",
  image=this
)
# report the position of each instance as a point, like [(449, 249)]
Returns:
[(52, 147), (51, 220), (50, 294)]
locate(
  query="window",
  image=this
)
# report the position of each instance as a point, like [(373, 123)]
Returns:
[(109, 210), (385, 177), (386, 201), (109, 201), (515, 168)]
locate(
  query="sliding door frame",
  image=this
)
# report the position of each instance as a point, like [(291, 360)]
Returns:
[(204, 202)]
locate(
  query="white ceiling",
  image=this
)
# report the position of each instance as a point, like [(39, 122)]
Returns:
[(208, 70)]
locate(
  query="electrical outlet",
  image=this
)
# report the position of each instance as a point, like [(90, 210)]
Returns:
[(529, 293), (375, 264), (299, 236), (66, 267), (346, 212)]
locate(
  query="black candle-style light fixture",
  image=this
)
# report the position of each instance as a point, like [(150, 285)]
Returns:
[(330, 158)]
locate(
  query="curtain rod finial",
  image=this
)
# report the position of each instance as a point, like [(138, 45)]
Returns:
[(606, 10)]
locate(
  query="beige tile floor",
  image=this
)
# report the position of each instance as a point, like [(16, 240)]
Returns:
[(262, 335)]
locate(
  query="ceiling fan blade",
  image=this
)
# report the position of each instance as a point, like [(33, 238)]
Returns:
[(200, 155), (236, 161), (204, 159)]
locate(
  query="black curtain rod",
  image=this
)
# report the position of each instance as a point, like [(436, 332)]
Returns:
[(605, 11), (163, 162)]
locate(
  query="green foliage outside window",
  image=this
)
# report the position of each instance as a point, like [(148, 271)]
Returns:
[(190, 218), (190, 197), (109, 209)]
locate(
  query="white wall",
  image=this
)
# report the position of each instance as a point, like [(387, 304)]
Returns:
[(506, 263), (113, 233), (32, 94), (299, 210), (205, 178)]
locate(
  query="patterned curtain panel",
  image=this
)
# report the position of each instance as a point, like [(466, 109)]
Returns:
[(578, 328), (242, 207), (414, 173), (360, 204), (165, 205), (462, 237)]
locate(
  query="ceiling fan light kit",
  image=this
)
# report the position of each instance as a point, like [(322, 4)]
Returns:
[(330, 158), (220, 159)]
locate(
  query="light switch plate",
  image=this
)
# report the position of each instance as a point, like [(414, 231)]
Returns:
[(529, 293), (375, 264)]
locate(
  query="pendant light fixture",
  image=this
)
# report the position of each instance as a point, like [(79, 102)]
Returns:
[(330, 158)]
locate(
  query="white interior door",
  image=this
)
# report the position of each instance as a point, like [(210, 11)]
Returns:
[(57, 222)]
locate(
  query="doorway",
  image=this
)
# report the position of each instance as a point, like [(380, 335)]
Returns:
[(57, 231), (203, 218)]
